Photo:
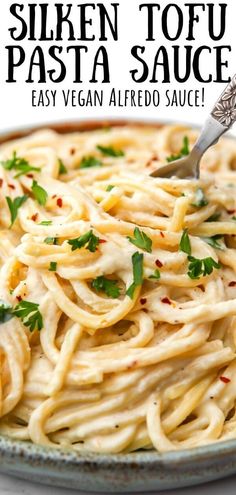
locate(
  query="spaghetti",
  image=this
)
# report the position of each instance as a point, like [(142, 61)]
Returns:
[(118, 292)]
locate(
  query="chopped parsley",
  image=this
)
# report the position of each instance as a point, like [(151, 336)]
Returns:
[(216, 216), (5, 311), (110, 151), (15, 205), (53, 266), (29, 314), (200, 198), (62, 168), (185, 245), (213, 241), (183, 152), (109, 188), (137, 262), (102, 284), (90, 161), (39, 193), (27, 311), (20, 164), (198, 267), (88, 240), (141, 240), (156, 275), (51, 240), (46, 222)]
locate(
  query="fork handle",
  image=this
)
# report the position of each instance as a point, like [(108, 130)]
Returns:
[(222, 117), (224, 110)]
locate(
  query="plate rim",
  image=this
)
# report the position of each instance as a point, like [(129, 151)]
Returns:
[(13, 446)]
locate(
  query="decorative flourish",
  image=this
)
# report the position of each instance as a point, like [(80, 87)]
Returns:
[(225, 109), (225, 113)]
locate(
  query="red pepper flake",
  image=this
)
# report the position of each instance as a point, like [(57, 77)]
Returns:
[(72, 151), (30, 176), (34, 217), (224, 379), (201, 287), (19, 298), (232, 283), (161, 234), (54, 196), (230, 212), (101, 241), (1, 182), (11, 186), (166, 300), (154, 158), (143, 300), (59, 202), (158, 263)]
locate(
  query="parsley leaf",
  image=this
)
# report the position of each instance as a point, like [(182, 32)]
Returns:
[(88, 238), (141, 240), (201, 199), (109, 188), (198, 267), (18, 163), (29, 314), (51, 240), (110, 151), (5, 311), (195, 267), (46, 222), (185, 245), (106, 285), (93, 243), (156, 275), (213, 218), (39, 193), (90, 161), (62, 168), (15, 205), (53, 266), (183, 152), (213, 241), (137, 261)]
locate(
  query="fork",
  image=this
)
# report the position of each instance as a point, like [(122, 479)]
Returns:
[(219, 121)]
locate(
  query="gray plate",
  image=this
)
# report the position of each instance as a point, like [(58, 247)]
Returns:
[(141, 471)]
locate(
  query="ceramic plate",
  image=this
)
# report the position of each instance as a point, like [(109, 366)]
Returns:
[(142, 471)]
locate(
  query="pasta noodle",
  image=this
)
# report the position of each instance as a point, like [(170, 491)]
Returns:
[(118, 291)]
